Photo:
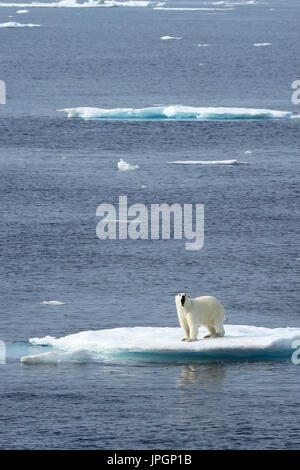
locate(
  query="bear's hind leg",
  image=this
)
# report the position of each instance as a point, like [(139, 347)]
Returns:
[(211, 332), (219, 329)]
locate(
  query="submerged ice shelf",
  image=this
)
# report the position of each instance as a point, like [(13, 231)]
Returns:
[(241, 342), (176, 113)]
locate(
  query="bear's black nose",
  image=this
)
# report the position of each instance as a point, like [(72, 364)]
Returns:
[(183, 300)]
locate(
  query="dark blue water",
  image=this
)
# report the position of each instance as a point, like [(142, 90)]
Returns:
[(54, 172)]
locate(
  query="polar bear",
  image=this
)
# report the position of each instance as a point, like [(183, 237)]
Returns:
[(201, 311)]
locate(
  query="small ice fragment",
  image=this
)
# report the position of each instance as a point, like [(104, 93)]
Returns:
[(169, 38), (208, 162), (14, 24), (262, 44), (124, 166)]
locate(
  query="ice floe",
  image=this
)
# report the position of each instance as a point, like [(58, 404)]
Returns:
[(241, 342), (176, 113)]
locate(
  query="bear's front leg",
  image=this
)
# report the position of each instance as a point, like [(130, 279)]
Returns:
[(185, 327), (193, 332)]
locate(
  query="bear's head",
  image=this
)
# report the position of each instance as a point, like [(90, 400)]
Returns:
[(182, 297)]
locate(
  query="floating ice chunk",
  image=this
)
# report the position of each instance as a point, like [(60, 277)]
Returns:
[(191, 9), (203, 45), (52, 302), (246, 2), (130, 3), (241, 342), (262, 44), (248, 152), (13, 24), (123, 166), (55, 357), (177, 113), (208, 162), (143, 186), (170, 38), (22, 12)]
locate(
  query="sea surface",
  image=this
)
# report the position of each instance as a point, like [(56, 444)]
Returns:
[(55, 171)]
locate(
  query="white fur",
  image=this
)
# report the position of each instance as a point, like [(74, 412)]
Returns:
[(202, 311)]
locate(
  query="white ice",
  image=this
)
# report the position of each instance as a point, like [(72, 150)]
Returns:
[(13, 24), (241, 342), (169, 38), (190, 8), (246, 2), (124, 166), (262, 44), (87, 4), (176, 112), (208, 162)]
